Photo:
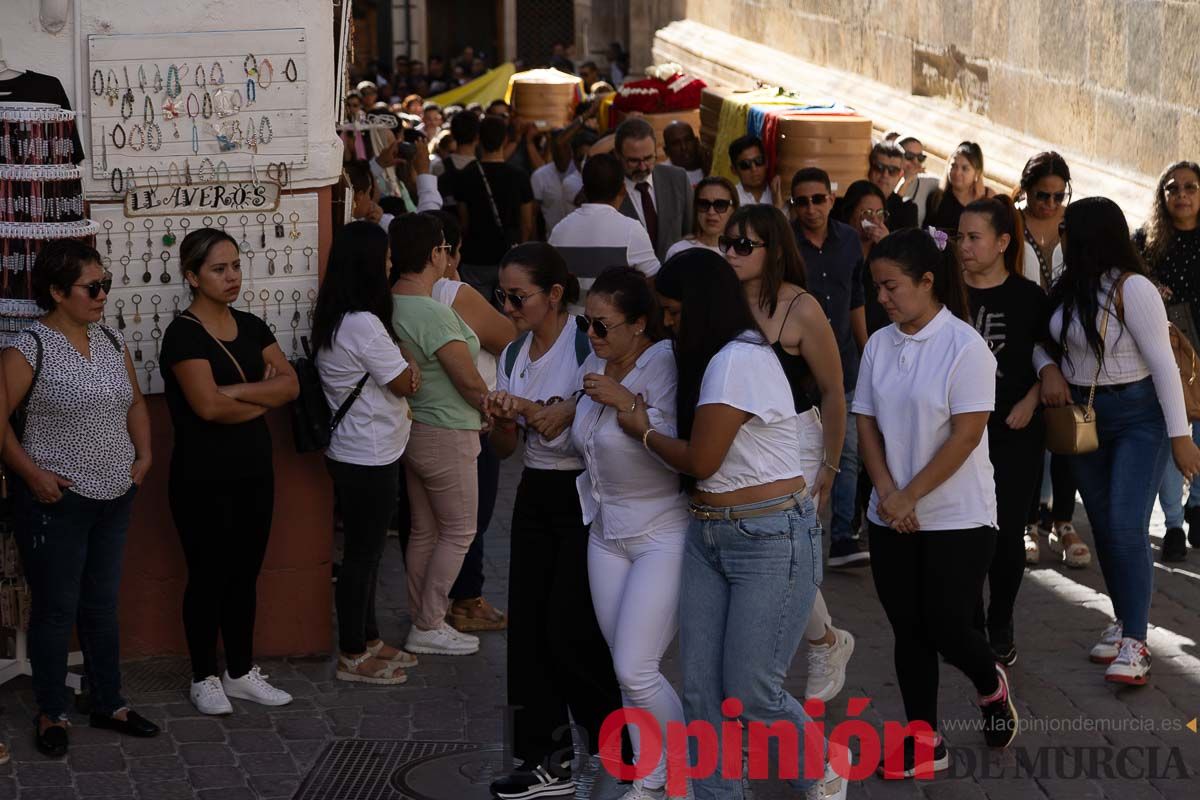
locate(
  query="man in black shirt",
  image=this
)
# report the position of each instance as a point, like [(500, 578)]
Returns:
[(885, 168)]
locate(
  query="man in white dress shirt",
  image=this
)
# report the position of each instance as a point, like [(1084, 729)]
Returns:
[(657, 195), (749, 160)]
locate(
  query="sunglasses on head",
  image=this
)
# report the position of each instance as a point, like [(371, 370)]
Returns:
[(892, 170), (598, 326), (719, 206), (1046, 197), (747, 163), (917, 157), (1175, 187), (96, 287), (803, 201), (742, 245), (515, 300)]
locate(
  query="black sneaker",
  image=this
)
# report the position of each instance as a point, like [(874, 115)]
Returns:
[(1192, 515), (848, 553), (533, 780), (1000, 721), (909, 768), (1174, 545)]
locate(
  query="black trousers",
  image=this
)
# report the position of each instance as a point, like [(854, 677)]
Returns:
[(1016, 456), (929, 584), (223, 526), (557, 656), (364, 496), (1063, 488)]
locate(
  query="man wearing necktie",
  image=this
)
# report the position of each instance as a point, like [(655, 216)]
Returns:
[(657, 195)]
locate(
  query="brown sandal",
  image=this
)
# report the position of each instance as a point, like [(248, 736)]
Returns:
[(476, 614), (351, 670), (404, 658)]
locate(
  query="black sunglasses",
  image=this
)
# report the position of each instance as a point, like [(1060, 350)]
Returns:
[(598, 326), (515, 299), (719, 206), (1045, 197), (747, 163), (892, 170), (802, 201), (742, 245), (96, 287), (917, 157)]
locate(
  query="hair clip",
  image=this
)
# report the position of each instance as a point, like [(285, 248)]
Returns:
[(939, 236)]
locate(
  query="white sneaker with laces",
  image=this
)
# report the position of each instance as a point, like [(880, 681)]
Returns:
[(640, 792), (827, 666), (1105, 650), (1132, 664), (468, 638), (253, 686), (209, 697), (443, 641), (831, 787)]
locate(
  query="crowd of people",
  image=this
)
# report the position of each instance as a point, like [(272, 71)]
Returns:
[(692, 372)]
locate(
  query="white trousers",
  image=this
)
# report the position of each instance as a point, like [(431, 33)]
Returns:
[(812, 453)]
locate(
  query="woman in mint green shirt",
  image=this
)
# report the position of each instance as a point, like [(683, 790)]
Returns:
[(439, 462)]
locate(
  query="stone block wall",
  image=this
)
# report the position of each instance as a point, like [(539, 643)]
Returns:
[(1119, 80)]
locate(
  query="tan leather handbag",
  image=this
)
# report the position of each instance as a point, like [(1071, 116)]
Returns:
[(1071, 429)]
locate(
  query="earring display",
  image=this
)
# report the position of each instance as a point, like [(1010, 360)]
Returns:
[(242, 112)]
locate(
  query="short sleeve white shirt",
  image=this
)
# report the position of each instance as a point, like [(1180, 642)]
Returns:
[(912, 386), (552, 378), (687, 244), (746, 374), (597, 236), (550, 190), (745, 197), (445, 291), (375, 430)]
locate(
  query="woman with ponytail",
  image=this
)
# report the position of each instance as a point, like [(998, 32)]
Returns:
[(1010, 313), (926, 387)]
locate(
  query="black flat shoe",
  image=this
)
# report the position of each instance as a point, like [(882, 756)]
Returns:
[(52, 741), (134, 724)]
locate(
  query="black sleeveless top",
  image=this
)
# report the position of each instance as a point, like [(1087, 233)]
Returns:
[(799, 376)]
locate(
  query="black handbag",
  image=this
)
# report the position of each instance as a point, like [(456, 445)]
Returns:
[(312, 424)]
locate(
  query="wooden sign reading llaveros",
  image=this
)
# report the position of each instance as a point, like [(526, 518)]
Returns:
[(202, 198)]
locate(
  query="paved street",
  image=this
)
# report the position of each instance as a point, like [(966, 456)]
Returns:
[(261, 752)]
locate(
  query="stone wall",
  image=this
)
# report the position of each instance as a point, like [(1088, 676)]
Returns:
[(1116, 80)]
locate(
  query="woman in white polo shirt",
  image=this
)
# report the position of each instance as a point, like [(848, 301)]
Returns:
[(631, 499), (752, 562), (558, 660), (926, 387)]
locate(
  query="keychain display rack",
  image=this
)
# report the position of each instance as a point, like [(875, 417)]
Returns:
[(225, 103), (278, 252)]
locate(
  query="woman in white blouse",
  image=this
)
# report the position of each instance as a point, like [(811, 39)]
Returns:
[(753, 551), (1110, 327), (631, 499)]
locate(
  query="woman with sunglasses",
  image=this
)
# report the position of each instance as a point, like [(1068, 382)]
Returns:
[(963, 186), (1043, 194), (632, 501), (439, 462), (223, 371), (752, 562), (76, 462), (714, 200), (558, 660), (916, 186), (863, 208), (761, 248), (1170, 245), (1109, 328)]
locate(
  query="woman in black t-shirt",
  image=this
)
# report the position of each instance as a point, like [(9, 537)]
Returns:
[(963, 185), (1010, 313), (223, 371)]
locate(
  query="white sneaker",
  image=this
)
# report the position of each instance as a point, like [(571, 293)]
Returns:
[(209, 698), (830, 787), (1033, 552), (253, 686), (1132, 664), (467, 638), (827, 666), (1105, 650), (640, 792), (443, 641)]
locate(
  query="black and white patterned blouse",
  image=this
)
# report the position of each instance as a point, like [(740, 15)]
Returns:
[(76, 425)]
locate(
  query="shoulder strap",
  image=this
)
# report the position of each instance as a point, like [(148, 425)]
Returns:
[(188, 315), (1044, 268), (514, 350), (787, 314), (1119, 296), (112, 337), (583, 347), (344, 408), (491, 199)]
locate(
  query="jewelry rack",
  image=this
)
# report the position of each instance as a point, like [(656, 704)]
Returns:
[(279, 252), (194, 101)]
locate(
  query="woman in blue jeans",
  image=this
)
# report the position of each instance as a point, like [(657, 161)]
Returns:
[(83, 450), (1109, 327), (752, 564)]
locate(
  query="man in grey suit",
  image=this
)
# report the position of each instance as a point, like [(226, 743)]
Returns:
[(659, 196)]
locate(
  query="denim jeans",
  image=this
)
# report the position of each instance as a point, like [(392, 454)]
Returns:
[(1170, 492), (1118, 482), (845, 483), (746, 594), (72, 552)]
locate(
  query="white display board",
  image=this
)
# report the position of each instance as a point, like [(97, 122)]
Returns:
[(249, 87), (279, 280)]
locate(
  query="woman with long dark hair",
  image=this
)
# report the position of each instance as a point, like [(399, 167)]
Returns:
[(864, 208), (925, 390), (1170, 244), (1108, 327), (752, 563), (963, 185), (760, 246), (366, 379), (223, 370)]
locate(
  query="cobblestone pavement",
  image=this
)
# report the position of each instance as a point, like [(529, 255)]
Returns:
[(260, 752)]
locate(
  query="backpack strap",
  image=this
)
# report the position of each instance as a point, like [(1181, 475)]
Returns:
[(514, 350), (344, 408)]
